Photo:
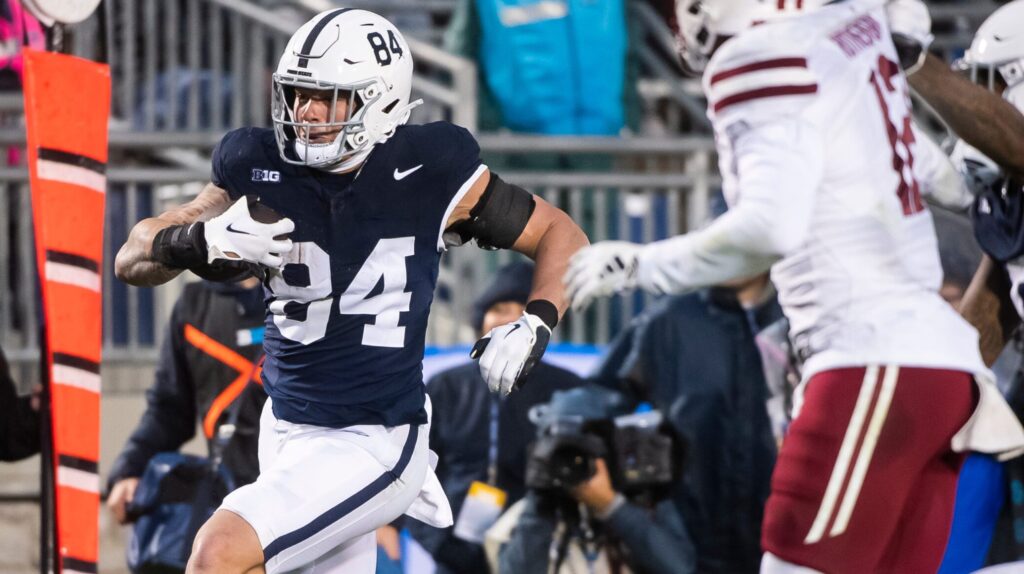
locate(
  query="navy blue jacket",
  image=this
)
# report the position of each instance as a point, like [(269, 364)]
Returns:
[(652, 541), (189, 380), (693, 357)]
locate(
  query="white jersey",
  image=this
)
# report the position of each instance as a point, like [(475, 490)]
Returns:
[(817, 154), (816, 149), (863, 286)]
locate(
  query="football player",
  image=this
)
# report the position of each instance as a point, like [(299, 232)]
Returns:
[(981, 104), (812, 123), (355, 209), (984, 106)]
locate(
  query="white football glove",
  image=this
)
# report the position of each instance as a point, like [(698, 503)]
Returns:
[(508, 352), (235, 236), (600, 270)]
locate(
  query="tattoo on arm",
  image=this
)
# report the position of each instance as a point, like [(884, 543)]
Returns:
[(134, 263)]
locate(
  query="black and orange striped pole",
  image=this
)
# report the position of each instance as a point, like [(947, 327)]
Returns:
[(67, 103)]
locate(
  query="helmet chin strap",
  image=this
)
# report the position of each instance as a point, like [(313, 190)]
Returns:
[(317, 153)]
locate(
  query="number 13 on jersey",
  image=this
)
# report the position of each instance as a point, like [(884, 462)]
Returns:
[(302, 298)]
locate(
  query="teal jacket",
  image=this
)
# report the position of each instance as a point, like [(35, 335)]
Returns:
[(554, 67)]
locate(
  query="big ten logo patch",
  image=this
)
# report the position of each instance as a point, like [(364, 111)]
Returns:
[(266, 175)]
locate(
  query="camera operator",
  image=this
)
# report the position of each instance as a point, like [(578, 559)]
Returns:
[(207, 373), (981, 99), (695, 359), (984, 109), (580, 438), (479, 437)]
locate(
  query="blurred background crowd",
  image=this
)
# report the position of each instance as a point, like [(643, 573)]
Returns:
[(676, 405)]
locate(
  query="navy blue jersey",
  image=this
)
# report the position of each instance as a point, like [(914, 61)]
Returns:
[(347, 315)]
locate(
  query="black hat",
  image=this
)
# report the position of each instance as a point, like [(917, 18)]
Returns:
[(512, 282)]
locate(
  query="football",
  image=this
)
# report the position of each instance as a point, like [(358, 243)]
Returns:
[(263, 214)]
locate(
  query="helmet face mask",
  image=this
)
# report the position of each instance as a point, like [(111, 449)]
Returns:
[(995, 59), (696, 34), (701, 26), (295, 138), (357, 59)]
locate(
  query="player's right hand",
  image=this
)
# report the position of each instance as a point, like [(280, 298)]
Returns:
[(235, 236), (120, 495)]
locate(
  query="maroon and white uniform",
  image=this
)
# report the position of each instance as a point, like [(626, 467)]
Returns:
[(817, 153)]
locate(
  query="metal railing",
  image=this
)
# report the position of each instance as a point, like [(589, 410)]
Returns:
[(649, 188), (653, 188), (194, 66), (206, 65)]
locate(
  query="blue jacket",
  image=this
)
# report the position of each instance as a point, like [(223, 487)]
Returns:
[(556, 66), (694, 358), (654, 542)]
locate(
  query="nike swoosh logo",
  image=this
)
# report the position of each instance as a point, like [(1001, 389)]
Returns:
[(233, 230), (999, 38), (400, 175), (512, 330)]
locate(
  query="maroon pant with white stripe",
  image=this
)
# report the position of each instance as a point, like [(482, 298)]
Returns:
[(866, 479)]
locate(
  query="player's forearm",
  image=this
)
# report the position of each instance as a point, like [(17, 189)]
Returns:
[(557, 242), (700, 259), (940, 182), (134, 263), (977, 115), (986, 305)]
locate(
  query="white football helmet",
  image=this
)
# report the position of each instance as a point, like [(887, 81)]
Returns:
[(996, 56), (357, 56), (701, 25), (996, 60)]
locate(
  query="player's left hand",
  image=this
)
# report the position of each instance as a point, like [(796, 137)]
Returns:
[(508, 352), (600, 270)]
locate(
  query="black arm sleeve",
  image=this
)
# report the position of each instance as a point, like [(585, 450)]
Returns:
[(170, 417), (500, 217)]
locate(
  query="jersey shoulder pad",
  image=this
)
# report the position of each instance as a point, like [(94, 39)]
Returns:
[(448, 152), (441, 143), (237, 152), (762, 73)]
